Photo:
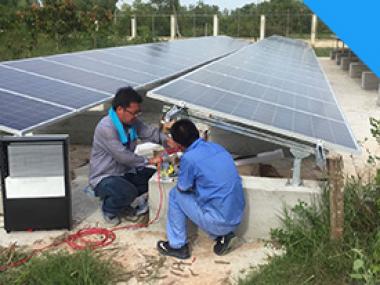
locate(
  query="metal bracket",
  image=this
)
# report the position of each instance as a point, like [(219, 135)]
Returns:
[(298, 154)]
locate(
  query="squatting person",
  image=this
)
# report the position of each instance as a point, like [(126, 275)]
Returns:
[(117, 174), (208, 192)]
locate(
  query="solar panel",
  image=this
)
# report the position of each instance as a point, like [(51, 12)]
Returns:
[(21, 113), (62, 85), (276, 85)]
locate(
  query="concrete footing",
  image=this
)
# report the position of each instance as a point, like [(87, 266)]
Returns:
[(333, 54), (345, 62), (370, 81), (338, 58), (356, 69), (265, 202)]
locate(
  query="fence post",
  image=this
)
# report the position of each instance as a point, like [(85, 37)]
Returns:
[(173, 25), (262, 27), (336, 179), (133, 27), (314, 24), (216, 25)]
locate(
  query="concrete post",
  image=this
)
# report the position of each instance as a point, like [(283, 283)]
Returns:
[(216, 25), (173, 25), (356, 69), (262, 27), (345, 62), (314, 24), (370, 81), (378, 96), (133, 27)]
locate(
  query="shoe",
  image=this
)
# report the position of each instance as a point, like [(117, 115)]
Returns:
[(129, 214), (164, 248), (111, 219), (222, 243), (142, 209), (140, 200), (140, 204)]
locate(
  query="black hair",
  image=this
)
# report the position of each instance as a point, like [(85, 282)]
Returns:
[(125, 96), (184, 132)]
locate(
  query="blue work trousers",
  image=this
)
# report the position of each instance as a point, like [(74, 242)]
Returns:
[(183, 206), (118, 192)]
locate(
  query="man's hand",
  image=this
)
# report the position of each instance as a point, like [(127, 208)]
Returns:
[(155, 160), (166, 126), (171, 143)]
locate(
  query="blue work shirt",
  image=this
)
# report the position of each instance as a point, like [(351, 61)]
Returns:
[(209, 171)]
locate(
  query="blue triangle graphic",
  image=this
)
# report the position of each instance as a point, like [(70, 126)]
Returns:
[(357, 23)]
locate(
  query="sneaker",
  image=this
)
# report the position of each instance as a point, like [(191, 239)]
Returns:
[(222, 244), (142, 209), (111, 219), (140, 200), (164, 248), (129, 214)]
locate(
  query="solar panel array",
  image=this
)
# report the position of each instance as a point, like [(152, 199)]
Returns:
[(37, 91), (276, 85)]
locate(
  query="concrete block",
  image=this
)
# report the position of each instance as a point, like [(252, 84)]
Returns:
[(333, 54), (265, 201), (356, 69), (339, 55), (345, 62), (370, 81)]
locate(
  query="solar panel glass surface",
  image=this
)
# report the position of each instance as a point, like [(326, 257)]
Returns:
[(276, 85), (77, 81)]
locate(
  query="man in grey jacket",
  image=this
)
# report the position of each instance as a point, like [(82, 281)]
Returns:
[(117, 174)]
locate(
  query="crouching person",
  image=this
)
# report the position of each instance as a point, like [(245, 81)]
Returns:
[(208, 192), (118, 175)]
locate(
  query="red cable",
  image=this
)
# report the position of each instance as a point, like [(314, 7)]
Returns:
[(79, 240)]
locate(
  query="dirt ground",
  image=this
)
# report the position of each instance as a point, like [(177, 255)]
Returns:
[(135, 250)]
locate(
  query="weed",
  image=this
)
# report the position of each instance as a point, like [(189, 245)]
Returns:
[(312, 258), (79, 268)]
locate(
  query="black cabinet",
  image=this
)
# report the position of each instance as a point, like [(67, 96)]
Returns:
[(35, 181)]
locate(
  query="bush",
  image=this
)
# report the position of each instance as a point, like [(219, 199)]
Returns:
[(312, 258)]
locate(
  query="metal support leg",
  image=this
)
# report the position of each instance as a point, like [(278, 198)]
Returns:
[(298, 156)]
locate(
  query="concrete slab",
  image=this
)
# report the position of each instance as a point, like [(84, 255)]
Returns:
[(370, 81), (265, 202)]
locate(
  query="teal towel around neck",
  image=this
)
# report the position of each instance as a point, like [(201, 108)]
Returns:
[(120, 128)]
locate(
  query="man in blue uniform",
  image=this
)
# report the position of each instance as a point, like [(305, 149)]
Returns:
[(208, 192)]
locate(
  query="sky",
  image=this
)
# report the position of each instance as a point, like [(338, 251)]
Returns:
[(223, 4)]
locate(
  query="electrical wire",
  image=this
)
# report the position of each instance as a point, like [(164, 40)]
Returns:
[(80, 240)]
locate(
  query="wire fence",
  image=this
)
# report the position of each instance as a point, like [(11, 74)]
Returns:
[(195, 25)]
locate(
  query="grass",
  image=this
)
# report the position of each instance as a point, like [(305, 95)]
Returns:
[(323, 51), (312, 258), (79, 268)]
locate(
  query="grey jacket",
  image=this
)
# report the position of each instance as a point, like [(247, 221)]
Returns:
[(109, 157)]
